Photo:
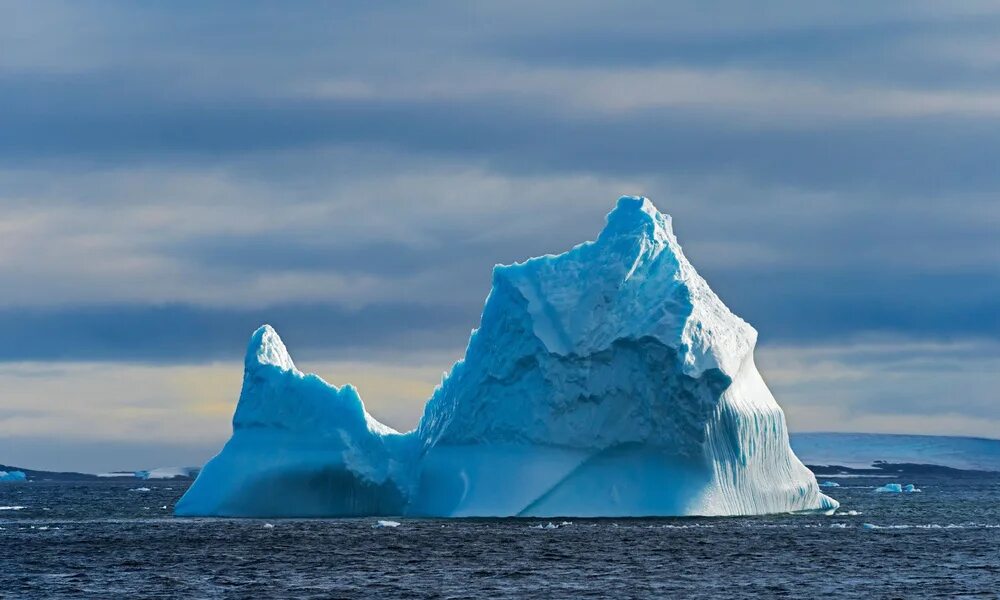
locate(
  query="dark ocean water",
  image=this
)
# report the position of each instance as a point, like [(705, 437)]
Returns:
[(104, 540)]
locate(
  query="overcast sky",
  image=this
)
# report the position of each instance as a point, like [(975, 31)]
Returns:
[(173, 174)]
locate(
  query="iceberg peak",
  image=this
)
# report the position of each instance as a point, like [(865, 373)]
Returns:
[(636, 216), (266, 348)]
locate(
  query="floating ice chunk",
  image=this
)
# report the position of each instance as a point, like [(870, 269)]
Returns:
[(891, 488), (829, 484), (606, 381), (838, 525), (140, 489), (268, 525), (849, 513), (870, 526), (167, 473), (551, 525), (13, 507), (910, 488), (383, 523), (13, 476)]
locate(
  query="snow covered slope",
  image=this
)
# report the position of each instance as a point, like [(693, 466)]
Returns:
[(605, 381)]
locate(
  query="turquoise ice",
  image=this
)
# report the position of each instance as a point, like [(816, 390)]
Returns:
[(605, 381)]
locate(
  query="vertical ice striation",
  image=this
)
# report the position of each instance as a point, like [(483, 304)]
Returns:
[(606, 381)]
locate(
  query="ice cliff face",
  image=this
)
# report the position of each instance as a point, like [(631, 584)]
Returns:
[(606, 381)]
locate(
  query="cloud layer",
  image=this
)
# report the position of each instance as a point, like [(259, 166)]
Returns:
[(172, 175)]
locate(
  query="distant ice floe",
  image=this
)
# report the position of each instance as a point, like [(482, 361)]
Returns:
[(140, 489), (933, 526), (865, 450), (829, 484), (168, 473), (551, 525), (891, 488), (383, 523), (897, 488), (13, 476)]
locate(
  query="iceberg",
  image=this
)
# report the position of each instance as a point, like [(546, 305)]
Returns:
[(13, 476), (605, 381)]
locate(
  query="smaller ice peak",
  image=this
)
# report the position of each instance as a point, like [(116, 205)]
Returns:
[(266, 348)]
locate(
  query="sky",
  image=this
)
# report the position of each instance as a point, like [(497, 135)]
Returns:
[(174, 174)]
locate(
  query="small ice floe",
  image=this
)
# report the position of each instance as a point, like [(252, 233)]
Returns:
[(164, 507), (890, 488), (896, 488), (869, 526), (838, 525), (380, 524), (140, 489), (566, 523), (550, 525), (268, 525), (848, 513), (13, 476), (829, 484), (13, 507)]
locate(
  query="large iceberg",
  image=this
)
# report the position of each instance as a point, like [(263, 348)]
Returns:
[(605, 381)]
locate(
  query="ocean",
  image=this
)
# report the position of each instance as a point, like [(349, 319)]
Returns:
[(118, 539)]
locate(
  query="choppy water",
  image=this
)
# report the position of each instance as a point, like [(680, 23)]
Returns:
[(103, 539)]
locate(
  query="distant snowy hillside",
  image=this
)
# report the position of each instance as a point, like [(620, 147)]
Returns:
[(606, 381), (861, 450)]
